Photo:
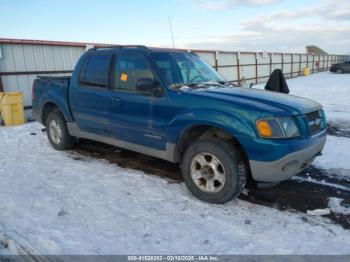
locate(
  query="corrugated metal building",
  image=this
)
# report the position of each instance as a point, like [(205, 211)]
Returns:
[(21, 61)]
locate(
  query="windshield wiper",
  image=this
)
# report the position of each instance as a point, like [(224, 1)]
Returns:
[(201, 84), (179, 85), (227, 83), (221, 84)]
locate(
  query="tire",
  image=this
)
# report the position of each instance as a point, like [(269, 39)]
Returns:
[(57, 131), (213, 185), (339, 71)]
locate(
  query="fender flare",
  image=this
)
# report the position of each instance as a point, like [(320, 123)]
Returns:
[(232, 125), (60, 102)]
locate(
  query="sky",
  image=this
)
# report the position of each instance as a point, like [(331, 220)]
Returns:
[(236, 25)]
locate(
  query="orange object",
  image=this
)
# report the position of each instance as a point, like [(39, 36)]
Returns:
[(264, 128), (124, 77)]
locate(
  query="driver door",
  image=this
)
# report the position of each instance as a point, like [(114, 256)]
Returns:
[(136, 116)]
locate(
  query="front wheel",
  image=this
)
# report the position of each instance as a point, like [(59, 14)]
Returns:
[(57, 131), (213, 170)]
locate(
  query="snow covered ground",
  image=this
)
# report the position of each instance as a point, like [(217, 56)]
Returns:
[(54, 202), (336, 154)]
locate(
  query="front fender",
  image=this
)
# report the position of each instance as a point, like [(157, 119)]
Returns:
[(233, 125)]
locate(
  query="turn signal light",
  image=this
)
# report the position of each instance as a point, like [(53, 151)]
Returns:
[(264, 128)]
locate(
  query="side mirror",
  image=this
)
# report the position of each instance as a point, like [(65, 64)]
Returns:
[(157, 91), (145, 84), (149, 85)]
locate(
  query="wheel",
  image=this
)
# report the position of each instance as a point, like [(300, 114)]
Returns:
[(57, 131), (339, 71), (213, 170)]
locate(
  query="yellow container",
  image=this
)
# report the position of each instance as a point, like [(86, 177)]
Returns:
[(11, 107), (1, 94), (306, 71)]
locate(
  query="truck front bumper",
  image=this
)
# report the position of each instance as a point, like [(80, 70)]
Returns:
[(287, 166)]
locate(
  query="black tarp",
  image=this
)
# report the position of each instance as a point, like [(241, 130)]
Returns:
[(277, 82)]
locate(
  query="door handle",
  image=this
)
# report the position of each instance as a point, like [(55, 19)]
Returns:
[(115, 99)]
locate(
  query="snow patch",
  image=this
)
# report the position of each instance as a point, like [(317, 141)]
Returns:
[(318, 212), (58, 205), (336, 206), (335, 155), (322, 182)]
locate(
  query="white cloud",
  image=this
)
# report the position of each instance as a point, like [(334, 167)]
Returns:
[(220, 5), (325, 24)]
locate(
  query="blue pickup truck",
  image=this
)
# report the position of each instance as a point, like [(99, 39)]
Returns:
[(172, 105)]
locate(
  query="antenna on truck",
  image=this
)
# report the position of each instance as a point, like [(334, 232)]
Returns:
[(171, 31), (172, 38)]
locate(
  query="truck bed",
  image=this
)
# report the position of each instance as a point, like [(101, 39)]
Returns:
[(54, 77), (50, 88), (56, 84)]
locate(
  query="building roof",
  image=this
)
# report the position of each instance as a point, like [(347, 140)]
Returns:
[(50, 43)]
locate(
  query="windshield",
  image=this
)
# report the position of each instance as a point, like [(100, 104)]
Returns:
[(185, 69)]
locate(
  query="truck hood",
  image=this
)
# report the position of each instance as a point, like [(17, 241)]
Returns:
[(266, 100)]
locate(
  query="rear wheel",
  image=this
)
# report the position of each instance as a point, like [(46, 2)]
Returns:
[(213, 170), (57, 131)]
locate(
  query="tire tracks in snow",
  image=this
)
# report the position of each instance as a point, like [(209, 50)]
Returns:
[(338, 128), (14, 243), (309, 190), (305, 192)]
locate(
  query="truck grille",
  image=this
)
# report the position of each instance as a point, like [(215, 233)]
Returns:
[(314, 122)]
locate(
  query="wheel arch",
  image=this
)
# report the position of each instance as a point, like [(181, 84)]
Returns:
[(47, 108), (205, 131), (202, 131)]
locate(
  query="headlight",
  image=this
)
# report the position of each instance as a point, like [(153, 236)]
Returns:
[(284, 127)]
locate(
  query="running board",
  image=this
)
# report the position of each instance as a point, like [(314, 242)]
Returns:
[(168, 154)]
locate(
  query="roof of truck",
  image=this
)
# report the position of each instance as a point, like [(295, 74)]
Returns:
[(140, 48)]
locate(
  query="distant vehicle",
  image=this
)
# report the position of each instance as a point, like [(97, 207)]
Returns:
[(343, 67), (174, 106)]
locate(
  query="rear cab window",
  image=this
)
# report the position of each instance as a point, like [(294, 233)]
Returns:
[(96, 70)]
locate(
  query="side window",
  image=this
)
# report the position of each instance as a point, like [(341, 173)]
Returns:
[(129, 69), (96, 71), (166, 69)]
